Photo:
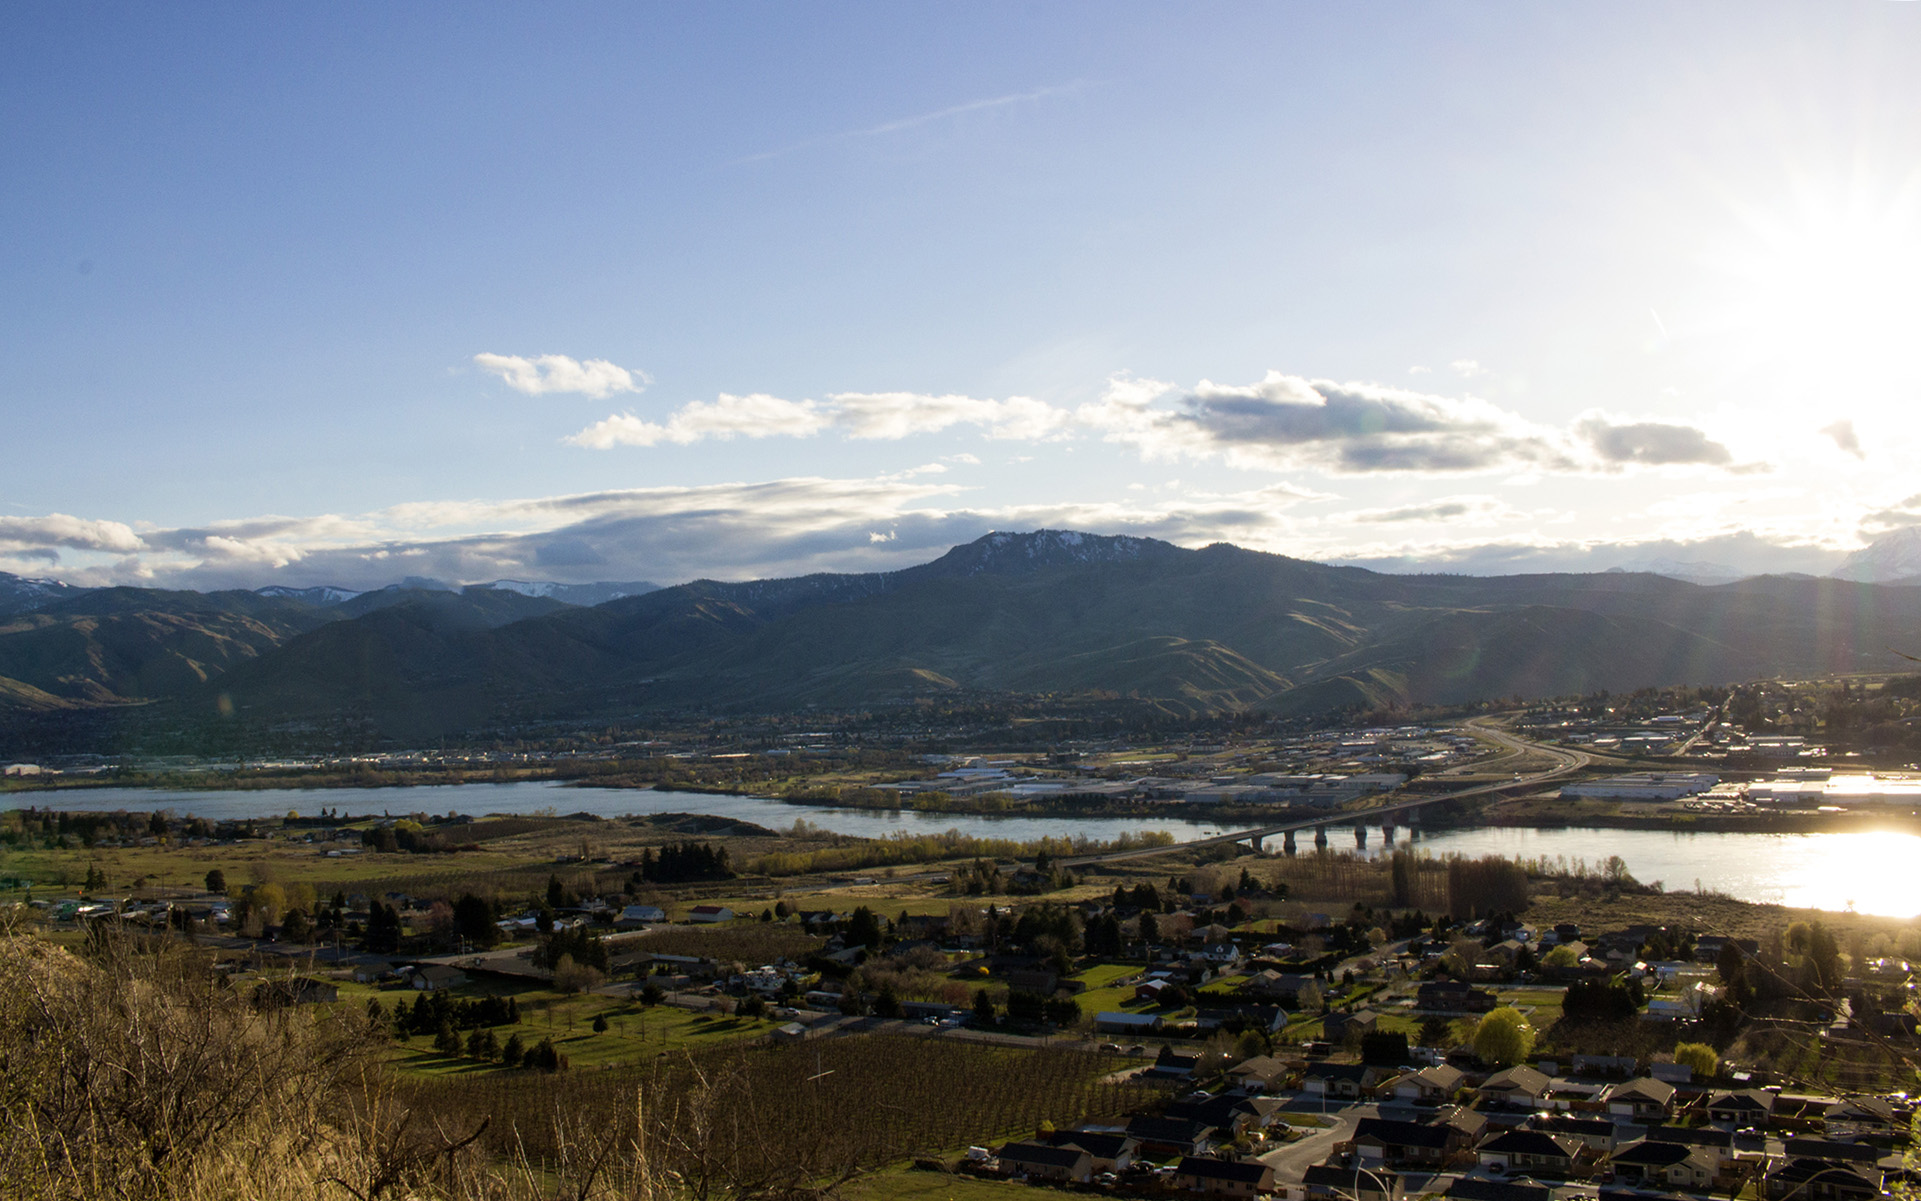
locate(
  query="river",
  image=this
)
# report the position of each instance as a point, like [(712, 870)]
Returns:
[(538, 796), (1869, 872)]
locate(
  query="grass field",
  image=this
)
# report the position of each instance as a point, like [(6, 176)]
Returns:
[(1102, 994), (635, 1033)]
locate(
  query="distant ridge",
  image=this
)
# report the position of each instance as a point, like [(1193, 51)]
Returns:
[(1047, 614)]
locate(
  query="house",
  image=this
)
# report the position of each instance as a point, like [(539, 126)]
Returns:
[(1341, 1026), (1642, 1099), (1043, 1162), (1453, 996), (1227, 1112), (1596, 1134), (1741, 1108), (791, 1032), (1171, 1136), (1429, 1086), (1863, 1155), (1260, 1073), (1350, 1081), (1532, 1151), (1469, 1125), (1654, 1164), (437, 976), (1224, 1177), (1150, 991), (1237, 1019), (1110, 1152), (1114, 1021), (1470, 1188), (1330, 1182), (635, 916), (1860, 1117), (1820, 1180), (710, 914), (1177, 1064), (1412, 1143), (1718, 1144), (1605, 1065), (1276, 986), (1519, 1087)]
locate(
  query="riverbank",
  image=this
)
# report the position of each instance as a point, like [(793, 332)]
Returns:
[(1553, 813)]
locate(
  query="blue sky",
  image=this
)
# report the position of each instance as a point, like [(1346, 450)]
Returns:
[(344, 294)]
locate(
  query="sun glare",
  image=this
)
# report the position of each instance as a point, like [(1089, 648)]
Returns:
[(1827, 297)]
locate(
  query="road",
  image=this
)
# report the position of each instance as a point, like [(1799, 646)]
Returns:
[(1564, 762), (1291, 1162)]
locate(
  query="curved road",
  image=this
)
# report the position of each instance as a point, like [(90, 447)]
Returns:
[(1565, 762)]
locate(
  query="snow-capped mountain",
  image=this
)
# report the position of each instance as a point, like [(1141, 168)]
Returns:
[(1894, 557), (1693, 571), (322, 594), (573, 594), (21, 594)]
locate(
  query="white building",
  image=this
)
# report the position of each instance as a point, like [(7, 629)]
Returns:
[(1644, 786)]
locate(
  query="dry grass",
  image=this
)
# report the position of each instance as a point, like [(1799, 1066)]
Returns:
[(133, 1072)]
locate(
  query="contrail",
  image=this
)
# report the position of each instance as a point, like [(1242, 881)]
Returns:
[(972, 106)]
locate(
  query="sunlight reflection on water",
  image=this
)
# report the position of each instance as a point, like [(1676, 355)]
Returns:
[(1874, 872)]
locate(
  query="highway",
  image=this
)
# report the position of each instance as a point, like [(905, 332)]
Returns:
[(1564, 761)]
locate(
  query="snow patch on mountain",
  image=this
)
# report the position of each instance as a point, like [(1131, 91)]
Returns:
[(24, 594), (322, 594), (1003, 551), (573, 594), (1894, 557)]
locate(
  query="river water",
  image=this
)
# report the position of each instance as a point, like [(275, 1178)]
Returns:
[(1876, 873)]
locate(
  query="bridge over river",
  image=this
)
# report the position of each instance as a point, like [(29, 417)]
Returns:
[(1564, 762)]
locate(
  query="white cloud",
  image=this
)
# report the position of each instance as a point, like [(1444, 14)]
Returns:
[(1650, 443), (894, 415), (1451, 509), (1284, 421), (1846, 438), (756, 416), (550, 373), (61, 530), (1467, 368), (869, 416)]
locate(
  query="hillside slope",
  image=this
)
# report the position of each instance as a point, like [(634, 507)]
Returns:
[(1185, 631)]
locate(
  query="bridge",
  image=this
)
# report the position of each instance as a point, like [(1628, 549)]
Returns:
[(1565, 762)]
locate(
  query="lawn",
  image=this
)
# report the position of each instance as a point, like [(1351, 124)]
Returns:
[(1102, 994), (1542, 1005)]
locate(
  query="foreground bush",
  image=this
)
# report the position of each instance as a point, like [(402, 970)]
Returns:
[(131, 1070)]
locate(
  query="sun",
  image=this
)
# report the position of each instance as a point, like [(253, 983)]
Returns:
[(1821, 298)]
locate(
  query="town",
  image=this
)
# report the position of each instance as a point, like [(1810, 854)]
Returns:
[(1162, 1019)]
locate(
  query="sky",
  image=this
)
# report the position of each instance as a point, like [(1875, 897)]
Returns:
[(345, 294)]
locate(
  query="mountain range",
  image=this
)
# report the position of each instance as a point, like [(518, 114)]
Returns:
[(1048, 613)]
